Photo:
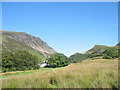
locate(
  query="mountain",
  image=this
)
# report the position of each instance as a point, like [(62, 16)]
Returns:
[(102, 51), (78, 57), (98, 51), (14, 41)]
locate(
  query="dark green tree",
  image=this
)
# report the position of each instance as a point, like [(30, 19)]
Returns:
[(58, 60), (7, 61), (19, 61)]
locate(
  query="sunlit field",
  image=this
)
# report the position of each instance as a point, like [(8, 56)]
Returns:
[(88, 74)]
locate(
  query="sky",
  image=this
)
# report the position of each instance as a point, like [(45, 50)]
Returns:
[(68, 27)]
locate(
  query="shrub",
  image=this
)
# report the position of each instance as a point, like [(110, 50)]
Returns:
[(110, 53), (107, 57)]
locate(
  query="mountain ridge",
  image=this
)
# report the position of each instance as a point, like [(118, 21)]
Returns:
[(97, 52), (24, 40)]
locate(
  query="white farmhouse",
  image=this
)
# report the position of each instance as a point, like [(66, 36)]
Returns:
[(43, 65)]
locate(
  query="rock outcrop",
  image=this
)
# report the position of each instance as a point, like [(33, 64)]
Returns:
[(28, 40)]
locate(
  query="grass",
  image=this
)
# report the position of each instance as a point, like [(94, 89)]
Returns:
[(40, 56), (88, 74), (20, 73)]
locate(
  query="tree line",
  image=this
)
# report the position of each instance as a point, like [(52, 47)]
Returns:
[(18, 61), (23, 60)]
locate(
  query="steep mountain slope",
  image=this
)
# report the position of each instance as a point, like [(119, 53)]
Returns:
[(12, 41)]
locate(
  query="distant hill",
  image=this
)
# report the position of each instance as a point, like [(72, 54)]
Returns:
[(97, 52), (78, 57), (97, 49), (15, 41), (102, 51)]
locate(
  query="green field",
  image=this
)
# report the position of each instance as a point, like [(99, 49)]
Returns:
[(88, 74)]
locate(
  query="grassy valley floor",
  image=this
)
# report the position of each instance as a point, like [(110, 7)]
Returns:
[(88, 74)]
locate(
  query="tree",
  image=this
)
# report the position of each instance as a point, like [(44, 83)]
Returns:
[(19, 61), (7, 61), (58, 60)]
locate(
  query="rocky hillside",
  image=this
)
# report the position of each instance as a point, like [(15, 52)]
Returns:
[(12, 41)]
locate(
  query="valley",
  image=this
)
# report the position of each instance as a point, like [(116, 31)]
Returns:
[(22, 55), (98, 73)]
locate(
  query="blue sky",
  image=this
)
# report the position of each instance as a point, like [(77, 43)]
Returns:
[(68, 27)]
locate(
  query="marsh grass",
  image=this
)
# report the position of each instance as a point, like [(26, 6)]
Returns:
[(88, 74)]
